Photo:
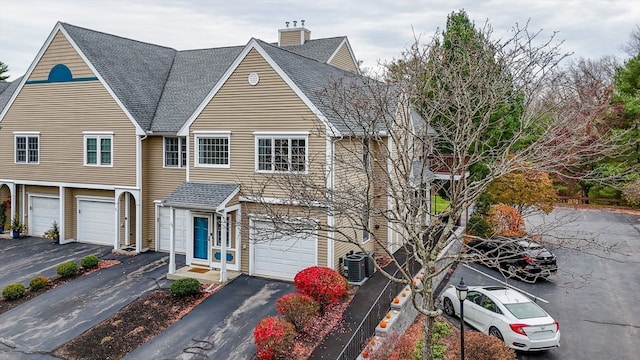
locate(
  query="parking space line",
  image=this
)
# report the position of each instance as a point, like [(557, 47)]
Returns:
[(507, 285)]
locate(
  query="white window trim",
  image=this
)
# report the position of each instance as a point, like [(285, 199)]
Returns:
[(216, 241), (181, 140), (98, 135), (281, 135), (210, 134), (27, 135)]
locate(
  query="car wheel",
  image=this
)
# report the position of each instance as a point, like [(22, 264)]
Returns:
[(448, 307), (493, 331)]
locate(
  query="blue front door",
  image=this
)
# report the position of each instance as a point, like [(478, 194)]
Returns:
[(200, 237)]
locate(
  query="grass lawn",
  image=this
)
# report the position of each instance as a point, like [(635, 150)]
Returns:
[(439, 204)]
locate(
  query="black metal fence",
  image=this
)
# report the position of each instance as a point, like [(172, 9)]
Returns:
[(367, 326)]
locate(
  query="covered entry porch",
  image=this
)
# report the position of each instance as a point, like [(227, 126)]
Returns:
[(203, 223)]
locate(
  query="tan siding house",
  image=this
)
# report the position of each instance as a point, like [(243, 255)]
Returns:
[(142, 147)]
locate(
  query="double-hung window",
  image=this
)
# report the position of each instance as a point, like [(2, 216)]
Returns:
[(286, 152), (27, 147), (212, 148), (175, 152), (98, 149)]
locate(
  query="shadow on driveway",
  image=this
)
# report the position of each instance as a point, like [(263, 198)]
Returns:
[(37, 327), (25, 258), (221, 327)]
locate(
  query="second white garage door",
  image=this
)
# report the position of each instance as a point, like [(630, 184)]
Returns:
[(283, 255), (96, 221), (44, 211)]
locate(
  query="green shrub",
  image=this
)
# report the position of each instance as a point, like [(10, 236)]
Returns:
[(13, 291), (67, 269), (480, 226), (185, 287), (89, 262), (38, 282)]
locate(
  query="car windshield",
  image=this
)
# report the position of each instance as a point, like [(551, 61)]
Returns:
[(525, 310)]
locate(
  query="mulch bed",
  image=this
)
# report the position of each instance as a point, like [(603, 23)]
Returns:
[(6, 305), (130, 327)]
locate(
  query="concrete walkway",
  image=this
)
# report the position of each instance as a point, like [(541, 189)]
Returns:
[(39, 326), (221, 327)]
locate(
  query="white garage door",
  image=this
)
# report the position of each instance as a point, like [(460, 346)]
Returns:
[(43, 212), (282, 256), (96, 222), (181, 229)]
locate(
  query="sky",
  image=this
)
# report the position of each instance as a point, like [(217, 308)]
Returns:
[(378, 30)]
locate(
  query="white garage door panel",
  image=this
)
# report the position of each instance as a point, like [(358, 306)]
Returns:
[(285, 255), (44, 211), (180, 227), (96, 222)]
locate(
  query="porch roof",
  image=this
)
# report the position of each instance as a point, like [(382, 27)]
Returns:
[(202, 196)]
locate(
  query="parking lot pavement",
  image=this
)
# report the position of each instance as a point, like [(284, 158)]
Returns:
[(594, 295), (221, 327), (39, 326), (25, 258)]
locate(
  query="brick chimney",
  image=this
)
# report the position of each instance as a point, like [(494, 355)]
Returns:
[(293, 35)]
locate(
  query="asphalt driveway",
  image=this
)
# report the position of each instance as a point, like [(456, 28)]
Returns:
[(37, 327), (23, 259), (221, 327)]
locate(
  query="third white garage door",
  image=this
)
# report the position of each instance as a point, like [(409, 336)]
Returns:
[(96, 221), (283, 255)]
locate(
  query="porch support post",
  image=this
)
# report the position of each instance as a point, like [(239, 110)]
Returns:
[(138, 200), (116, 241), (172, 240), (61, 204), (223, 247)]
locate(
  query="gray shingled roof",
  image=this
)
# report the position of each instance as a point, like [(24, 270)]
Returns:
[(313, 77), (317, 49), (193, 75), (206, 196), (420, 171), (135, 71), (6, 90)]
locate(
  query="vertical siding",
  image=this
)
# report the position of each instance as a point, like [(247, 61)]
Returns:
[(158, 182), (343, 59), (60, 51)]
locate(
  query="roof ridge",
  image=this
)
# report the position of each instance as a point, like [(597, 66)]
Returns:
[(116, 36), (305, 57)]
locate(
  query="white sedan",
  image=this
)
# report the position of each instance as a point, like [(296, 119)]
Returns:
[(506, 314)]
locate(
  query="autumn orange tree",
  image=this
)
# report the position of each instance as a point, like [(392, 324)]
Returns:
[(526, 191), (506, 220)]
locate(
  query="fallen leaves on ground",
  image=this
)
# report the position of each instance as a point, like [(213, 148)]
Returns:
[(130, 327)]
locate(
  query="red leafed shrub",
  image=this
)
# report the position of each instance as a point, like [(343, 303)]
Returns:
[(297, 308), (323, 284), (506, 220), (274, 338), (479, 346)]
